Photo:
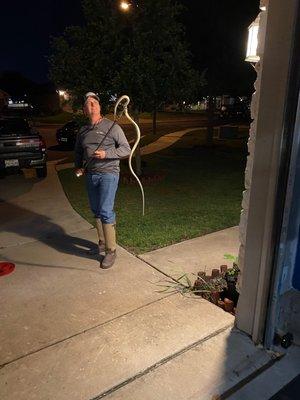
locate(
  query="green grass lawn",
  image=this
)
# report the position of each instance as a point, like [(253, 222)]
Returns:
[(64, 117), (173, 115), (201, 193), (194, 139)]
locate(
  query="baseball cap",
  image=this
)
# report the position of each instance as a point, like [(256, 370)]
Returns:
[(93, 95)]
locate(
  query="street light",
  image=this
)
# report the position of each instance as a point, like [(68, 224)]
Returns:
[(124, 5)]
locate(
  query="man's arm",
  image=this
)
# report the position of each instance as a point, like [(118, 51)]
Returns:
[(123, 149)]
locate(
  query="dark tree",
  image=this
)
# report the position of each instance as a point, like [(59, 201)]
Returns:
[(156, 67), (86, 58), (220, 50), (142, 54)]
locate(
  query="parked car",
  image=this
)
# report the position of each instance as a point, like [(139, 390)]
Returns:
[(237, 111), (66, 135), (21, 146)]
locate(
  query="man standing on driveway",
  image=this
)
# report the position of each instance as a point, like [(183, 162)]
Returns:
[(102, 174)]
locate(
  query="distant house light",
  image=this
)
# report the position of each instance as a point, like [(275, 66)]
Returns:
[(63, 94), (17, 104), (251, 55)]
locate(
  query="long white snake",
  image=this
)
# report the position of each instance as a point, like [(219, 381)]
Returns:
[(126, 100)]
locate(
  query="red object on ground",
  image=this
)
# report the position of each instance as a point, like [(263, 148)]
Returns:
[(6, 268)]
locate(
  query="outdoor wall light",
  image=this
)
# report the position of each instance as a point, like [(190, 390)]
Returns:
[(251, 55)]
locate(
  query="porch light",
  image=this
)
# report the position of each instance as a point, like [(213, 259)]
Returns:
[(251, 55)]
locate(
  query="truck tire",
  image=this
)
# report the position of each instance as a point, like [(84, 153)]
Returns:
[(41, 172)]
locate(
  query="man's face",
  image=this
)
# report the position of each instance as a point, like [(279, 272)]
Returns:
[(92, 108)]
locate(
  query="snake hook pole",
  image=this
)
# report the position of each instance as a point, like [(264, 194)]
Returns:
[(124, 101)]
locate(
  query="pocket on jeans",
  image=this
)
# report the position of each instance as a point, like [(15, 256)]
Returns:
[(112, 177)]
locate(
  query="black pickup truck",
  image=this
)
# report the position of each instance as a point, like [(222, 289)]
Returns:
[(21, 146)]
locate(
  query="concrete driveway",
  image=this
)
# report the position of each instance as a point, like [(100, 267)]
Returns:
[(70, 330)]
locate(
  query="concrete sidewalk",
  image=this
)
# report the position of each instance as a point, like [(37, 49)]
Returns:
[(199, 254), (167, 140), (70, 330), (161, 143), (33, 209)]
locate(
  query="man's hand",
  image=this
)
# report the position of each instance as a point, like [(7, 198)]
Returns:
[(100, 154), (79, 171)]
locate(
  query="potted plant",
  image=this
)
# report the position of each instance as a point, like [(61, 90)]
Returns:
[(206, 286), (231, 275), (209, 287), (219, 287)]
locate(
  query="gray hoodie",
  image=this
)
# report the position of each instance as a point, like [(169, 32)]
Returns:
[(115, 145)]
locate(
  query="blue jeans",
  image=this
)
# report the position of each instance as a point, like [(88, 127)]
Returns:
[(102, 188)]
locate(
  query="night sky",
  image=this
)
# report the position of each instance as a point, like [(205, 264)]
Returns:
[(26, 26)]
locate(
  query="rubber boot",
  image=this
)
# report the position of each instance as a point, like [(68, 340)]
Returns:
[(101, 237), (110, 242)]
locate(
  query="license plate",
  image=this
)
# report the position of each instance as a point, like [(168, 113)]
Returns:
[(63, 139), (11, 163)]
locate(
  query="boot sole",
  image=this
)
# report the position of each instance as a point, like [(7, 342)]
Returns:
[(105, 266)]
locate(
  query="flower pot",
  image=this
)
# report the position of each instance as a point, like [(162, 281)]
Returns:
[(215, 297), (215, 273), (231, 292), (198, 286), (221, 304), (228, 305), (223, 269)]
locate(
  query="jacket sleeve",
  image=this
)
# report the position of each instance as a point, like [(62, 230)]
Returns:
[(122, 148), (78, 151)]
